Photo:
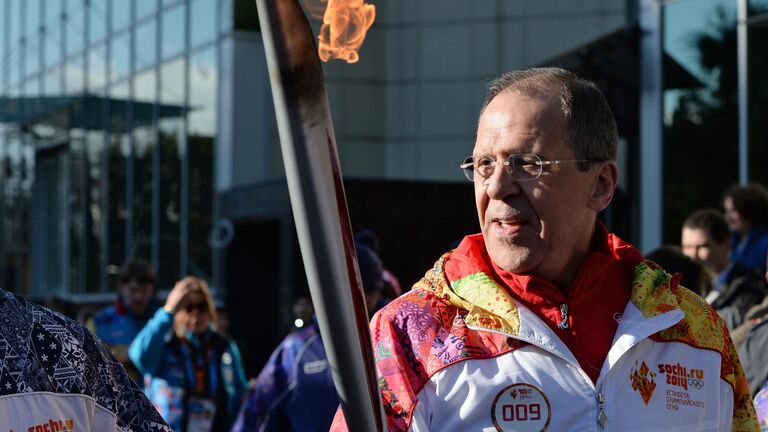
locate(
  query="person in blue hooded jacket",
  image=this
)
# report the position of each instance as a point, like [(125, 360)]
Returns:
[(192, 373), (294, 391), (119, 323)]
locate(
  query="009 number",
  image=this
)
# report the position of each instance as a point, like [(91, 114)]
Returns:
[(521, 412)]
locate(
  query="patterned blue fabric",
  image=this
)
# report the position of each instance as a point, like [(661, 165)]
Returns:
[(44, 351), (294, 390)]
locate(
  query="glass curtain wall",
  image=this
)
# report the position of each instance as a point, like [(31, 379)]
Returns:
[(700, 123), (113, 103), (757, 43)]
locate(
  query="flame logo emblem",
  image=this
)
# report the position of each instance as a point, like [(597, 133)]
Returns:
[(641, 382)]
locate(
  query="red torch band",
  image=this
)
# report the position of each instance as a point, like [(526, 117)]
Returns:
[(319, 208)]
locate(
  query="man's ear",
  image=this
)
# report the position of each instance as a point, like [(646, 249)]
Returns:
[(606, 179)]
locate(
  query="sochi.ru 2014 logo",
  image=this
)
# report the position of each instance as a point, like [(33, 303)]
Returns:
[(681, 376)]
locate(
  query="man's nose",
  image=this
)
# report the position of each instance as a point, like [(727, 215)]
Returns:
[(501, 183)]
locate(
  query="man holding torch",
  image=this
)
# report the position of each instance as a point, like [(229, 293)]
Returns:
[(544, 320)]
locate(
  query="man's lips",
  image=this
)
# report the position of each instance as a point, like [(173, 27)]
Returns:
[(507, 226)]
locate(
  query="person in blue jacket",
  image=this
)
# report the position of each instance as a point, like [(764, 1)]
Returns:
[(746, 213), (119, 323), (192, 373), (294, 391)]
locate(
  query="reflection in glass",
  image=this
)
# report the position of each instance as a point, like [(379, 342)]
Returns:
[(14, 32), (52, 82), (203, 76), (757, 40), (52, 35), (120, 56), (173, 31), (121, 14), (118, 148), (203, 22), (75, 28), (144, 138), (97, 67), (226, 19), (75, 76), (97, 19), (145, 7), (171, 133), (94, 150), (146, 43), (700, 122)]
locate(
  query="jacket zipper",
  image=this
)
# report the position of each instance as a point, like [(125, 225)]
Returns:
[(602, 419), (563, 317)]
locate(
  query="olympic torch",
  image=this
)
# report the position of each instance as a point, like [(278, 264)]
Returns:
[(320, 209)]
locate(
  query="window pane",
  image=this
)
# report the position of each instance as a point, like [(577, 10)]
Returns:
[(97, 67), (98, 19), (225, 16), (121, 14), (145, 7), (14, 29), (203, 96), (173, 32), (146, 44), (94, 142), (144, 143), (757, 35), (120, 56), (171, 136), (203, 21), (75, 27), (32, 35), (52, 32), (52, 82), (699, 110), (75, 76), (118, 152)]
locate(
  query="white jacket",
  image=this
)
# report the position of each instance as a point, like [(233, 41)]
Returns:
[(463, 355)]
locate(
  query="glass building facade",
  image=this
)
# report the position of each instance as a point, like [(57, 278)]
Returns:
[(701, 131), (107, 133)]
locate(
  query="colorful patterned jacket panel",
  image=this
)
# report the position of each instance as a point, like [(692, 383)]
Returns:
[(423, 342), (56, 375)]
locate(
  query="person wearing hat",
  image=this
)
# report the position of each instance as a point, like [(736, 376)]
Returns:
[(294, 390)]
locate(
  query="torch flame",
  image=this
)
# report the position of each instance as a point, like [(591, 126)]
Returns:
[(345, 23)]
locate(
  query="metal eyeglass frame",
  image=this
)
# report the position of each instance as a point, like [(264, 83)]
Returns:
[(468, 166)]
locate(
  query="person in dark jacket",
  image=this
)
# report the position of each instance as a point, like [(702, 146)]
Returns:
[(294, 391), (192, 373), (118, 324), (705, 238)]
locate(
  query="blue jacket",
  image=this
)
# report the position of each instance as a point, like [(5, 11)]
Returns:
[(167, 364), (294, 390), (116, 326), (751, 250)]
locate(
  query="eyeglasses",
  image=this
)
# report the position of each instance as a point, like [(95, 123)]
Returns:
[(522, 167), (201, 307)]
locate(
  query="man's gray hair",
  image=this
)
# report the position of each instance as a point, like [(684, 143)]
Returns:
[(591, 131)]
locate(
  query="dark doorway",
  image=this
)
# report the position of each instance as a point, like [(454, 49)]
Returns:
[(251, 277)]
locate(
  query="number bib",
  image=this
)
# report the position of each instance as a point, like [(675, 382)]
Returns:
[(521, 407), (200, 414)]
